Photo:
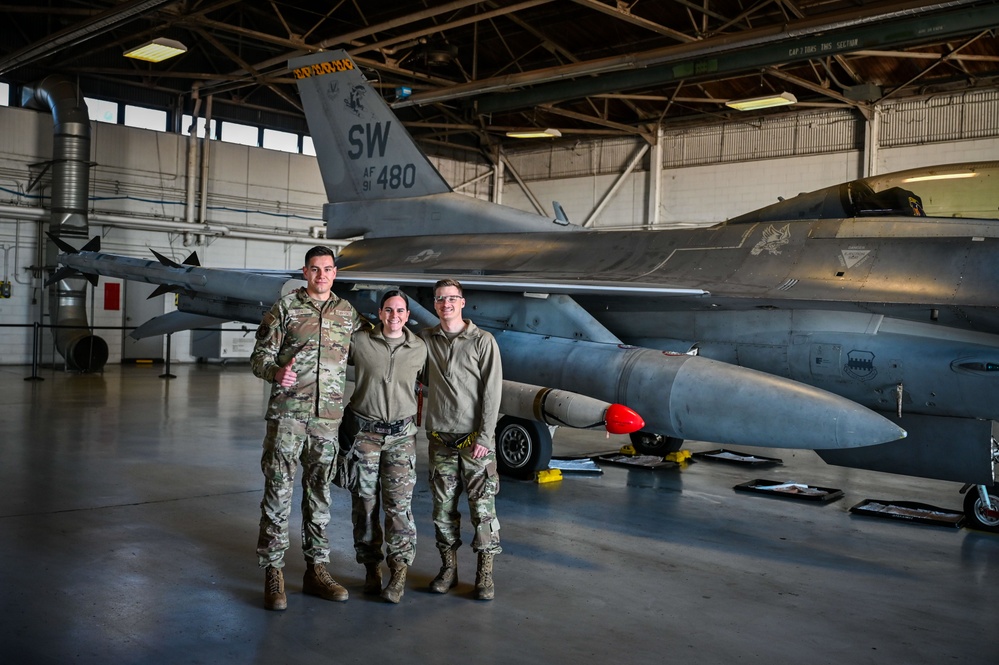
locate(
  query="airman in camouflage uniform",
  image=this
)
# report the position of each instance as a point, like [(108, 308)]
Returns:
[(301, 349), (465, 383), (382, 460)]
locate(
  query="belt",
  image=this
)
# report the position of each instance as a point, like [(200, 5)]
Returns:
[(462, 441), (390, 429)]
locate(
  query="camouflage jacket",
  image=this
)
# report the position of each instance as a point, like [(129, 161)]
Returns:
[(313, 337), (464, 381), (385, 375)]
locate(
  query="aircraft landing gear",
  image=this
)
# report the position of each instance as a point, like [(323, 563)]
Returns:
[(522, 447), (647, 443), (981, 508)]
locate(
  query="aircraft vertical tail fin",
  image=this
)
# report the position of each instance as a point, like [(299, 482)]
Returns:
[(364, 152), (378, 181)]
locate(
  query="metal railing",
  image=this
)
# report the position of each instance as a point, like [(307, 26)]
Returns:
[(36, 341)]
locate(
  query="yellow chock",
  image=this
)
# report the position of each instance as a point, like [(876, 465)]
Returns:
[(549, 476), (679, 456), (628, 450)]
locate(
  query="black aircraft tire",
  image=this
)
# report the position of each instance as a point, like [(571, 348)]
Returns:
[(974, 510), (646, 443), (522, 447)]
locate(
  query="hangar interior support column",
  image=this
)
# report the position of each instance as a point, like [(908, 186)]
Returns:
[(192, 161), (656, 179), (205, 156), (872, 138), (498, 164)]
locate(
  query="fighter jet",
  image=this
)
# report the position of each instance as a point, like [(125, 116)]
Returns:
[(859, 320)]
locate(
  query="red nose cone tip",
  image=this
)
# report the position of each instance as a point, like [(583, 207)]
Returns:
[(620, 419)]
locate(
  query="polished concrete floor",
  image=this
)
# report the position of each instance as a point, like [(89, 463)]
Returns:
[(128, 518)]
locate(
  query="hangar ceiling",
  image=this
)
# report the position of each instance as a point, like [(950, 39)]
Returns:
[(478, 68)]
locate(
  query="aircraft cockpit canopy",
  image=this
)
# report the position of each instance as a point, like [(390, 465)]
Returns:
[(966, 191)]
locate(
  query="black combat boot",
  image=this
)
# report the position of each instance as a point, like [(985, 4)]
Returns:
[(372, 579)]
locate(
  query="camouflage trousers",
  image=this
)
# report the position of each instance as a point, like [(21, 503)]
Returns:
[(383, 476), (288, 441), (450, 471)]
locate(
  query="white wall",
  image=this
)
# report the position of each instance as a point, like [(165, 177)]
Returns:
[(141, 172), (713, 193)]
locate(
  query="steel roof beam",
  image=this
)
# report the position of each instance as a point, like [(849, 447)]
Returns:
[(650, 60), (711, 58)]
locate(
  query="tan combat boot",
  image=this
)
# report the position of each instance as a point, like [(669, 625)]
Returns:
[(372, 579), (318, 582), (274, 598), (447, 578), (484, 589), (397, 585)]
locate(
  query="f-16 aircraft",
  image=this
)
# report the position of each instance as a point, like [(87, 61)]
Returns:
[(859, 320)]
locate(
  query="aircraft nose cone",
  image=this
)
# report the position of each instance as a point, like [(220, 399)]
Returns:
[(863, 427)]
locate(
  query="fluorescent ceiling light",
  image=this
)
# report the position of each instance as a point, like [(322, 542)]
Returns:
[(157, 50), (782, 99), (942, 176), (535, 134)]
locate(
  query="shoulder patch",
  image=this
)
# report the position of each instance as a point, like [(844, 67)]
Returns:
[(266, 326)]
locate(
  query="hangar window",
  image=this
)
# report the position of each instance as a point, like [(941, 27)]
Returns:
[(102, 110), (276, 140), (233, 132), (308, 147), (4, 94), (185, 126), (143, 118)]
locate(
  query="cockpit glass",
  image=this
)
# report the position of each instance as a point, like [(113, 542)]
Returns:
[(960, 191)]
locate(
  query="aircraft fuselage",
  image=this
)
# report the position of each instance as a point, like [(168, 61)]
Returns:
[(856, 307)]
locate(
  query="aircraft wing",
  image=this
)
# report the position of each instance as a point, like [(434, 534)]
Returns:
[(516, 284)]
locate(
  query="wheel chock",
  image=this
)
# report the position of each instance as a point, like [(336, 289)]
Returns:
[(678, 457), (628, 450), (548, 476)]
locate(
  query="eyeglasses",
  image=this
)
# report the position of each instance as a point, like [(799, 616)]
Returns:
[(449, 299)]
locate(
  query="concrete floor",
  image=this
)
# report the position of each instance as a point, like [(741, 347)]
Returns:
[(128, 518)]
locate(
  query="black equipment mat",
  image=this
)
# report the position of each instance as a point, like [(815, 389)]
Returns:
[(910, 511), (735, 457), (790, 490)]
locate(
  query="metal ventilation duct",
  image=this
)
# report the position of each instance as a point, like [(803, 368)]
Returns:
[(70, 166)]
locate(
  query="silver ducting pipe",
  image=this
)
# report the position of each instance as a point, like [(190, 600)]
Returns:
[(70, 165)]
